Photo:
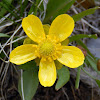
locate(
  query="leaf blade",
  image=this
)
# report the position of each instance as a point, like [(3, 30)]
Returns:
[(80, 36), (3, 35), (93, 64), (30, 82), (62, 6), (98, 82), (63, 77), (77, 17)]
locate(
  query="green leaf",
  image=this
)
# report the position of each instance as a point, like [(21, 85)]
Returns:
[(23, 6), (2, 55), (4, 35), (3, 10), (8, 4), (78, 77), (8, 1), (98, 82), (34, 7), (93, 63), (28, 66), (77, 17), (9, 7), (63, 77), (88, 73), (30, 83), (31, 9), (54, 8), (80, 36)]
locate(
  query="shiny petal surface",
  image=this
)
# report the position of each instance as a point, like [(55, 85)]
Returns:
[(47, 73), (62, 27), (23, 54), (71, 56), (33, 28), (46, 28)]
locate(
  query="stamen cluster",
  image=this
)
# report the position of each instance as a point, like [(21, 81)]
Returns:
[(49, 49)]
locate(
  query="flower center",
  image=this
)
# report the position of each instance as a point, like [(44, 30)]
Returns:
[(46, 48), (49, 49)]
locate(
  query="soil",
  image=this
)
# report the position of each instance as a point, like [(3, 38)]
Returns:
[(68, 92)]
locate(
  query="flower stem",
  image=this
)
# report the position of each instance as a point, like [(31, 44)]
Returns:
[(35, 12), (22, 84), (88, 74), (78, 77)]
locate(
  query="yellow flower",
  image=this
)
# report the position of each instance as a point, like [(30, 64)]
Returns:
[(48, 47)]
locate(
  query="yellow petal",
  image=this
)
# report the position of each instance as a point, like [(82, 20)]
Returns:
[(33, 28), (46, 28), (23, 54), (28, 41), (58, 64), (47, 73), (65, 42), (62, 27), (71, 56)]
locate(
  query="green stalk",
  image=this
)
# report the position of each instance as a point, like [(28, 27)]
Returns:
[(78, 77), (88, 74), (35, 11)]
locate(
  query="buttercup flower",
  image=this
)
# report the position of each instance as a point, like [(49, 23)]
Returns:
[(48, 46)]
